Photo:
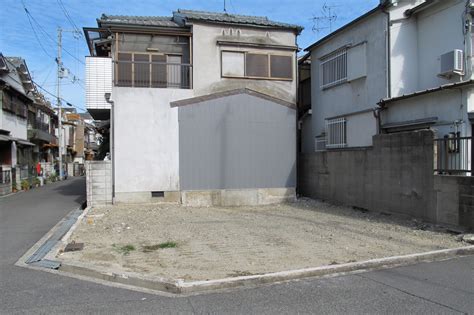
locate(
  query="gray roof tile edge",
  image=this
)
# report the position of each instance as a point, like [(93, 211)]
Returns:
[(217, 17)]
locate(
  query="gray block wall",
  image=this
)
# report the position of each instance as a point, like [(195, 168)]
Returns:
[(394, 176), (237, 142), (98, 182)]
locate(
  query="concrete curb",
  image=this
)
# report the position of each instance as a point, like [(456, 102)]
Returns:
[(181, 287), (64, 240)]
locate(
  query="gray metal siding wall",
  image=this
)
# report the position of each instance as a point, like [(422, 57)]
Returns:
[(237, 142)]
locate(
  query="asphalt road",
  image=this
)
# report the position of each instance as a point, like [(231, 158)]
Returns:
[(435, 288)]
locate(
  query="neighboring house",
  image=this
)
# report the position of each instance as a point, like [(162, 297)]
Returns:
[(348, 77), (17, 93), (42, 123), (403, 66), (431, 68), (203, 106), (91, 136)]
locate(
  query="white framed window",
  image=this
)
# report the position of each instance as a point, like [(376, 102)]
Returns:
[(336, 133), (334, 68)]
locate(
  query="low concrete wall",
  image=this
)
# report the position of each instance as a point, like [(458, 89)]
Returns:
[(394, 176), (98, 182)]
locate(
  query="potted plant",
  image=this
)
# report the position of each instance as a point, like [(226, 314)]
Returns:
[(25, 185)]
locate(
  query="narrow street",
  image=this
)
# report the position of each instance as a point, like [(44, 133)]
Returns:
[(440, 287)]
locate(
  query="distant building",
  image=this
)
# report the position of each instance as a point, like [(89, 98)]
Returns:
[(204, 106)]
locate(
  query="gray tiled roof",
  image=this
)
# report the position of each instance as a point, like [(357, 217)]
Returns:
[(233, 19), (163, 21)]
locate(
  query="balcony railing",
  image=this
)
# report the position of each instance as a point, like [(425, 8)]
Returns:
[(453, 155), (153, 74)]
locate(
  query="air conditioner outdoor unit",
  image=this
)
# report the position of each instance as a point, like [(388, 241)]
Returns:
[(452, 63)]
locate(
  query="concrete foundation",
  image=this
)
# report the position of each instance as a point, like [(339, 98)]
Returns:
[(146, 197), (237, 197), (217, 197)]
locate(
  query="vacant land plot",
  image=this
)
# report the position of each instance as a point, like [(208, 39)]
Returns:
[(188, 243)]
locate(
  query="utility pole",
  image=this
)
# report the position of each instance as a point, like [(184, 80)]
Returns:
[(60, 125)]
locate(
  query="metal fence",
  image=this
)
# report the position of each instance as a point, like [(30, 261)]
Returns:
[(153, 74), (452, 155)]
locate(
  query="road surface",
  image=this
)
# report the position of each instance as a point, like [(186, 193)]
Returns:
[(436, 288)]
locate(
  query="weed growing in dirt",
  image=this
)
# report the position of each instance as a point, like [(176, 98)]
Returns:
[(149, 248), (125, 250)]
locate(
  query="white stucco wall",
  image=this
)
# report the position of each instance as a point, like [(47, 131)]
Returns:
[(360, 129), (207, 59), (357, 95), (146, 139), (15, 124), (416, 44)]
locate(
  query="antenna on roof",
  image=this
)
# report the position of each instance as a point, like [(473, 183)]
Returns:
[(327, 15), (225, 10)]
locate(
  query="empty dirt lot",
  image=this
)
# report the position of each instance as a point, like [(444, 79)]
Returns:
[(188, 243)]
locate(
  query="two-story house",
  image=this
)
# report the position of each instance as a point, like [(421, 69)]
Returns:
[(202, 106), (405, 65), (349, 75), (16, 94), (431, 77), (42, 122)]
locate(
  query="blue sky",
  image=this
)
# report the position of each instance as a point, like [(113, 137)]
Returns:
[(18, 39)]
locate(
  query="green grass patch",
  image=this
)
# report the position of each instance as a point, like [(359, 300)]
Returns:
[(125, 249), (150, 248)]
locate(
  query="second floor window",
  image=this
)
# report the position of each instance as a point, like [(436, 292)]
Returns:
[(334, 68), (238, 64)]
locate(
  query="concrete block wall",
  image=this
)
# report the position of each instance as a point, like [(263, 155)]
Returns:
[(455, 200), (394, 176), (98, 182)]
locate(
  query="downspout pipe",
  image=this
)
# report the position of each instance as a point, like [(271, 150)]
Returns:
[(112, 142), (380, 105)]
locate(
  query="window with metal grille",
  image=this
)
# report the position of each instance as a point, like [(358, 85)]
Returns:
[(336, 133), (334, 68)]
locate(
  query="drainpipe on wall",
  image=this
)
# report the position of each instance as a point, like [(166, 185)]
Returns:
[(380, 106), (112, 142)]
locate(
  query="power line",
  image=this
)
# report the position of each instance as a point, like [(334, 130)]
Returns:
[(55, 96), (68, 17), (46, 33), (37, 38)]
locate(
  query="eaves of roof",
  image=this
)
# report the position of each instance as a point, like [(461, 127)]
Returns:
[(447, 86)]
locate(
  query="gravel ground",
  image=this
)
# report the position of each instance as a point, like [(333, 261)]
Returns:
[(218, 242)]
